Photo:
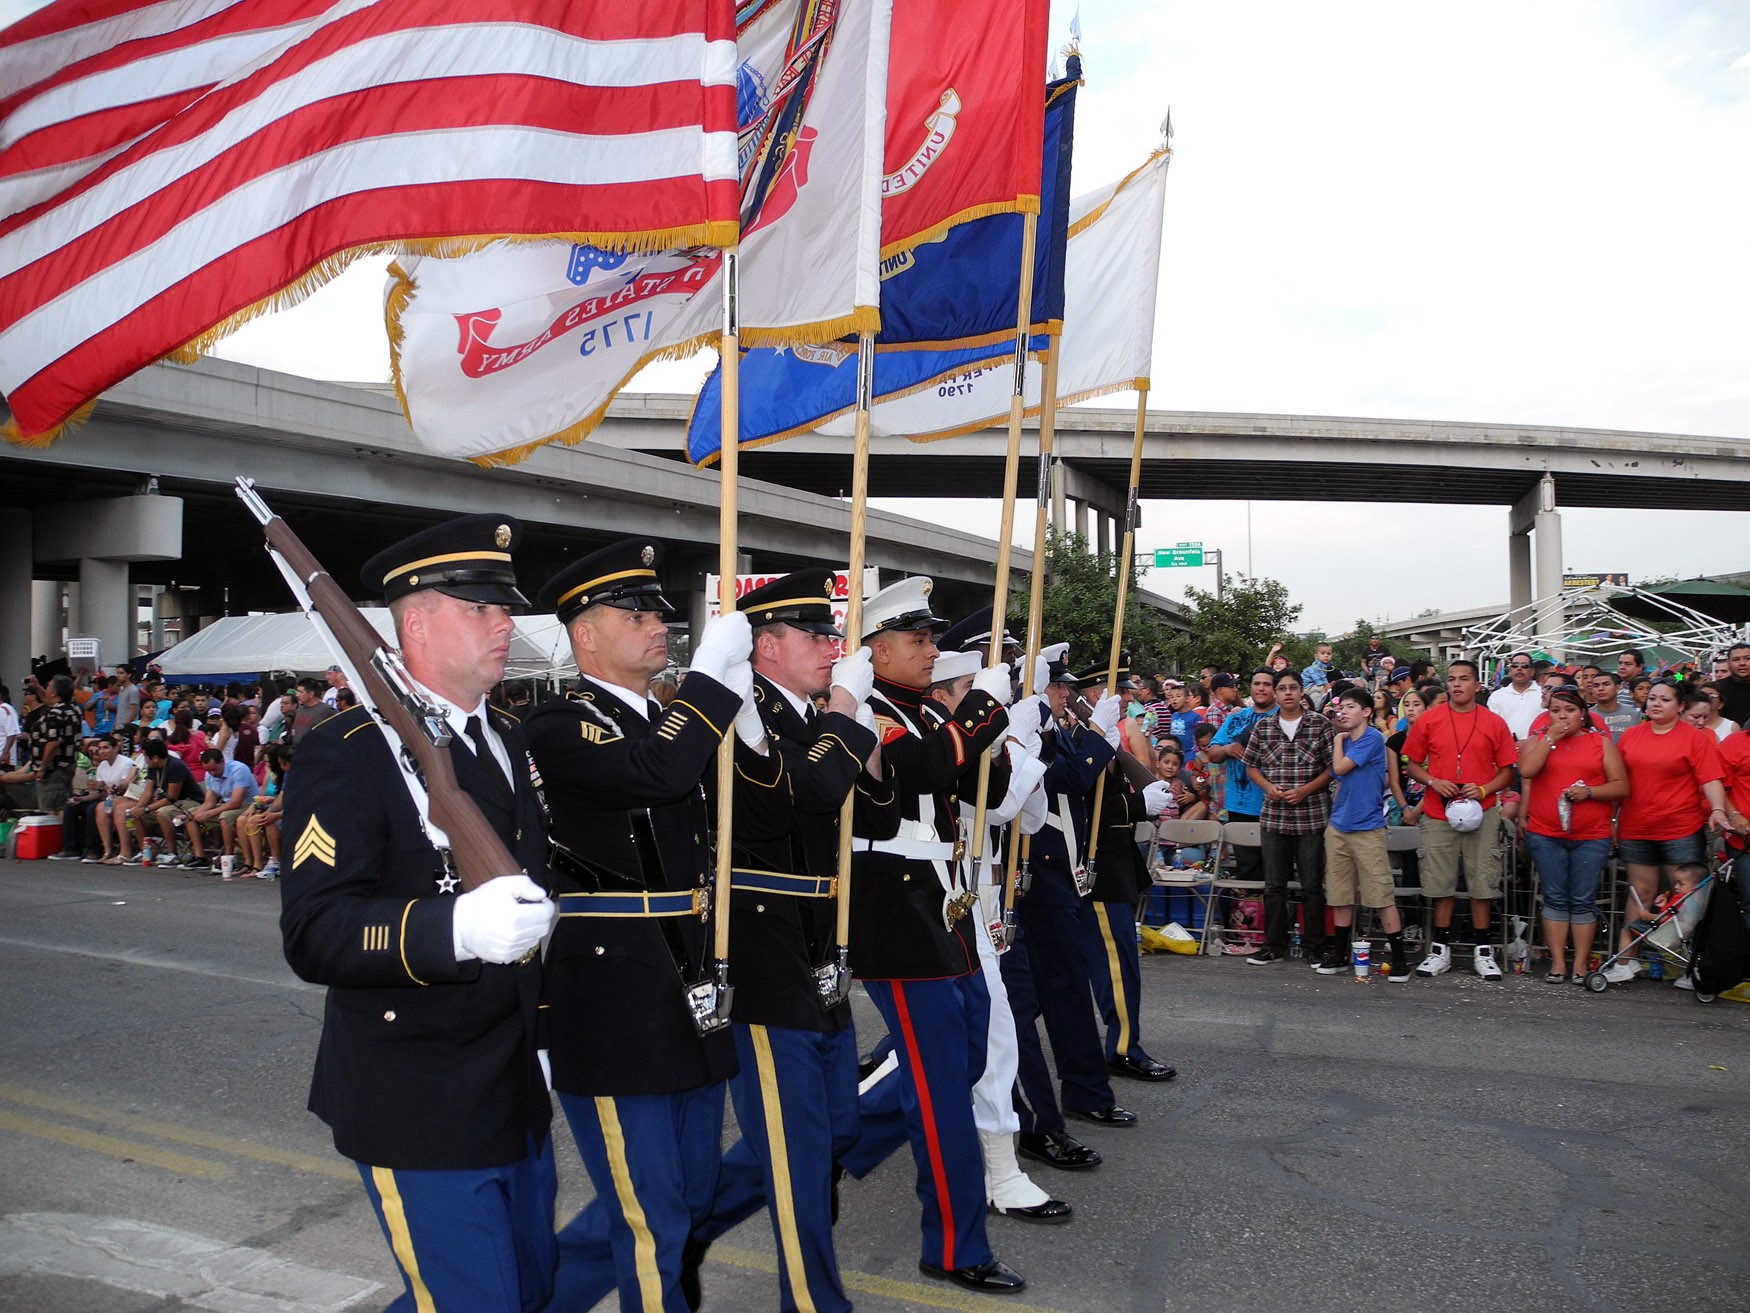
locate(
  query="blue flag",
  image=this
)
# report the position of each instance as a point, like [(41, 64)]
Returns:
[(946, 307)]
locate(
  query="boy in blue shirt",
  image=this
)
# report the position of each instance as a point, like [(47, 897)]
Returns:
[(1357, 867)]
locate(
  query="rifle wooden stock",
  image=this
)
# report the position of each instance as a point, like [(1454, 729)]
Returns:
[(478, 853)]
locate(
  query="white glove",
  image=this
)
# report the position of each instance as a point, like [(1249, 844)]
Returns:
[(1156, 797), (855, 674), (749, 728), (993, 680), (726, 640), (501, 920), (866, 718), (1024, 721), (1108, 711), (1041, 674)]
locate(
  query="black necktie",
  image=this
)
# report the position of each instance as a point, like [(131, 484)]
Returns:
[(653, 710), (488, 762)]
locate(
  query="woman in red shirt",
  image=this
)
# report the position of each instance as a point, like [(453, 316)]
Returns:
[(1571, 760), (1674, 794), (188, 743)]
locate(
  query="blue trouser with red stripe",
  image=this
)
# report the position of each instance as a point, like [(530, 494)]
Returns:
[(939, 1028), (479, 1240)]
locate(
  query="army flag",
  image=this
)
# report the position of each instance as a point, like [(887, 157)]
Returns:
[(505, 349), (1112, 269), (169, 170), (947, 305)]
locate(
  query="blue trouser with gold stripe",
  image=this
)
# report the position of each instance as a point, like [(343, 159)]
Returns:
[(477, 1241), (796, 1100), (1115, 972), (653, 1161), (1057, 955), (939, 1029), (1035, 1094)]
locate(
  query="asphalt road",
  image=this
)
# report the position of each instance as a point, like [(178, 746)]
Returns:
[(1451, 1144)]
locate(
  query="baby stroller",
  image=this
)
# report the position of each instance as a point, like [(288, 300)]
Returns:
[(1704, 930)]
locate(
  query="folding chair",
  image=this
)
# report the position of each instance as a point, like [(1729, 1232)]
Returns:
[(1197, 885), (1401, 839), (1234, 834)]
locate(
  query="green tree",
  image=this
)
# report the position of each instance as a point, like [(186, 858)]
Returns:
[(1079, 600), (1235, 631)]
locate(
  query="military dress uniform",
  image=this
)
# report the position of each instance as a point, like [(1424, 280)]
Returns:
[(427, 1069), (796, 1094), (1049, 916), (632, 863), (919, 966)]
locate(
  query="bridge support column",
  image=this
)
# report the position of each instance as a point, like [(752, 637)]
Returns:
[(1102, 532), (106, 611), (1081, 518), (1518, 570), (16, 589), (1536, 514), (45, 622), (1059, 499)]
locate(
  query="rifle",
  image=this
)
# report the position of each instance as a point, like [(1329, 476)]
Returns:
[(468, 843)]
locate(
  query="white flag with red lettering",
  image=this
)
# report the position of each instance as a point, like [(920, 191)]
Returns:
[(169, 169), (505, 349)]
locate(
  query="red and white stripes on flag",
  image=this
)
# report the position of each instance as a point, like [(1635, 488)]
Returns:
[(169, 170)]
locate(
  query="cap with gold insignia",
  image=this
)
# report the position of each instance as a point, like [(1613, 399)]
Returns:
[(904, 605), (1096, 674), (802, 600), (468, 557), (974, 632), (1060, 673), (622, 575), (951, 666)]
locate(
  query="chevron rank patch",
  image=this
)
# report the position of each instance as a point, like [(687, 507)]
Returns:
[(314, 844), (592, 733)]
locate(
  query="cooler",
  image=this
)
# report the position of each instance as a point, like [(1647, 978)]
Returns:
[(36, 837)]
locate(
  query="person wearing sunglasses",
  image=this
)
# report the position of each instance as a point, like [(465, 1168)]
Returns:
[(1519, 700)]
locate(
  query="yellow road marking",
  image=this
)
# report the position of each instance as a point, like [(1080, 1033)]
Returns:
[(110, 1146), (177, 1134), (911, 1293)]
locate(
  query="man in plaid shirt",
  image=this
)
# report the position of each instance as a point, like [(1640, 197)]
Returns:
[(1289, 758)]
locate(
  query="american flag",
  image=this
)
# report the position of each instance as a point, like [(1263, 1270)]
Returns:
[(168, 170)]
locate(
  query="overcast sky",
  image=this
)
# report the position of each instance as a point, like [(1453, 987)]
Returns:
[(1530, 213)]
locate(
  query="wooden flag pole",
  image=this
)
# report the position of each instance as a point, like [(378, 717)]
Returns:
[(728, 452), (854, 631), (1125, 554), (1036, 597), (1011, 476)]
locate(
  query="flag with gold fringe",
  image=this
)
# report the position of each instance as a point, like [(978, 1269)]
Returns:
[(169, 170), (502, 350)]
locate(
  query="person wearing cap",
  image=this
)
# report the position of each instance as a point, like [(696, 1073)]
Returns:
[(796, 1094), (1108, 914), (1008, 1189), (1224, 697), (427, 1069), (911, 931), (641, 1075), (1460, 750), (336, 678), (1050, 915)]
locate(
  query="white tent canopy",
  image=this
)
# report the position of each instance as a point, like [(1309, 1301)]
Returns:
[(248, 643)]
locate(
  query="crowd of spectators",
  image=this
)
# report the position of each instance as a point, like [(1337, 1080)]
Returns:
[(154, 774), (1588, 759)]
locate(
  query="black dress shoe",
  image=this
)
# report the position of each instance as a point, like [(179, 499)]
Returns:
[(1104, 1116), (994, 1278), (1056, 1149), (1141, 1069), (1052, 1210), (692, 1259)]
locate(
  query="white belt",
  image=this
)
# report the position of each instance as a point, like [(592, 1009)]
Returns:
[(917, 850)]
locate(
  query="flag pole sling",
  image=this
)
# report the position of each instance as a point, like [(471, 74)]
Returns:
[(729, 444), (1125, 554), (1036, 598), (1011, 476), (854, 624)]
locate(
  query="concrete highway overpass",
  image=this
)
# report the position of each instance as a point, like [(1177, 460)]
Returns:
[(340, 464)]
